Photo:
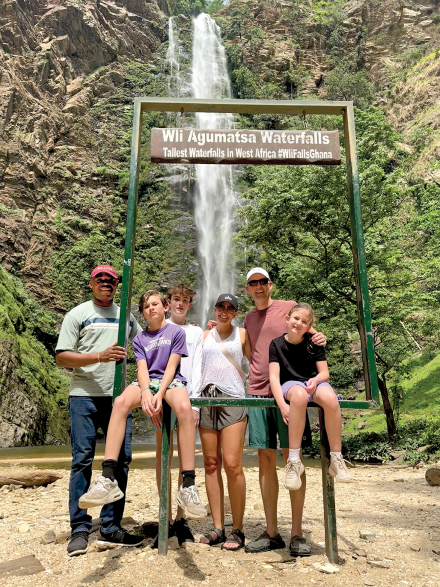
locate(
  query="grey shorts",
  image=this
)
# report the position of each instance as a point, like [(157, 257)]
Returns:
[(218, 417)]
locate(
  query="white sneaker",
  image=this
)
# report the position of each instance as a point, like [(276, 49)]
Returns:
[(292, 475), (101, 492), (338, 470), (188, 499)]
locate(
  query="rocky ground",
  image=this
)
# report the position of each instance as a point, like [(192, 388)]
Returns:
[(396, 506)]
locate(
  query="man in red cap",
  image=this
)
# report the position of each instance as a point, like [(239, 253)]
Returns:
[(86, 345)]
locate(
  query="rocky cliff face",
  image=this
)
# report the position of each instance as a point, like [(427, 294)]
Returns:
[(295, 44), (56, 60)]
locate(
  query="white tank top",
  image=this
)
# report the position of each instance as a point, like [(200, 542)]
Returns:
[(217, 370)]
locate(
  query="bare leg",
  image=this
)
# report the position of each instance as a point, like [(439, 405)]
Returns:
[(158, 435), (298, 398), (178, 399), (127, 401), (212, 458), (267, 458), (326, 398), (296, 501), (232, 440)]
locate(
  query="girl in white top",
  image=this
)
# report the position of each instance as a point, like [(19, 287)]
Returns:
[(222, 429)]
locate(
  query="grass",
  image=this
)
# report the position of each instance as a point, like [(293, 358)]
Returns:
[(422, 390), (421, 397)]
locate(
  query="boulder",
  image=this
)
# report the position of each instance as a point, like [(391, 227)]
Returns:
[(432, 475)]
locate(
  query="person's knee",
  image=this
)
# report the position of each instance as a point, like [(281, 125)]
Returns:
[(121, 405), (267, 460), (298, 397), (82, 461), (233, 467), (329, 400), (183, 410), (212, 464)]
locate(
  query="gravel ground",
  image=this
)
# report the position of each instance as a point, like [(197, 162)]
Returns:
[(396, 505)]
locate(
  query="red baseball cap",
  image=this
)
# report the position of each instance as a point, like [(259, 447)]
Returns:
[(104, 269)]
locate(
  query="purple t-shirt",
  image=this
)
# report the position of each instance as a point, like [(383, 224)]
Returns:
[(156, 348)]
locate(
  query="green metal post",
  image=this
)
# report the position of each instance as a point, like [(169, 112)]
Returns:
[(130, 239), (164, 480), (328, 497), (360, 266)]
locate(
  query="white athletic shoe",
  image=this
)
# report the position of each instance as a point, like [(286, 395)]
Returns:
[(101, 492), (292, 475), (188, 499), (338, 470)]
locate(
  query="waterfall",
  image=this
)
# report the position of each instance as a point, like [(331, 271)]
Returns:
[(214, 195), (214, 198), (173, 60)]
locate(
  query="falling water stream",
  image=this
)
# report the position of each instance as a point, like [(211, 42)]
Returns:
[(214, 196)]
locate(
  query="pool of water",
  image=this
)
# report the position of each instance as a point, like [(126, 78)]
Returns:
[(59, 457)]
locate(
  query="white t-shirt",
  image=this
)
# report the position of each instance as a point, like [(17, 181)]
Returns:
[(191, 366)]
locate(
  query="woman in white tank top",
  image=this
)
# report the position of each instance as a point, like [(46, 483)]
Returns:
[(222, 429)]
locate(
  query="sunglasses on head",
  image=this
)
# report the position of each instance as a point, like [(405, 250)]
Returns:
[(262, 281), (229, 309)]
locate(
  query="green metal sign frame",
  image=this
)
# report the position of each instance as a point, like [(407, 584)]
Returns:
[(289, 107)]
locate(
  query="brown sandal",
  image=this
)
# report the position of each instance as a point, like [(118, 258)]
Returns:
[(235, 537)]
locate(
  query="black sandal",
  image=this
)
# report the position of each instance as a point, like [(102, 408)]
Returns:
[(220, 537), (235, 537)]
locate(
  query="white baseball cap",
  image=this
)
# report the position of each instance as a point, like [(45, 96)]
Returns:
[(257, 270)]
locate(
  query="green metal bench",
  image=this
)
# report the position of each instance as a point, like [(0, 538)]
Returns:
[(328, 492)]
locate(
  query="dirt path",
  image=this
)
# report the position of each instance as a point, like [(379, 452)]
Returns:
[(396, 505)]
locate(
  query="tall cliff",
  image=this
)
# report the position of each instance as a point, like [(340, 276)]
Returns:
[(68, 73)]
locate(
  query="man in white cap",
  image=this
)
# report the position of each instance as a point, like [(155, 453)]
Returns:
[(87, 345), (264, 324)]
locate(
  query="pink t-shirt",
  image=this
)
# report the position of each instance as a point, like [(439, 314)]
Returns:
[(263, 326)]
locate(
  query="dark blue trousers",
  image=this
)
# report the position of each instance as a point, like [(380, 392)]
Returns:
[(87, 414)]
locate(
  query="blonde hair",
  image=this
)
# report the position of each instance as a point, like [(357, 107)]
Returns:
[(145, 297), (308, 308)]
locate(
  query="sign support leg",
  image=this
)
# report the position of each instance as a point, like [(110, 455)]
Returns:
[(328, 495), (130, 239), (360, 264), (165, 480)]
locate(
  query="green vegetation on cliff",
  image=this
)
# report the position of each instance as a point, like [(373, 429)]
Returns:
[(33, 391)]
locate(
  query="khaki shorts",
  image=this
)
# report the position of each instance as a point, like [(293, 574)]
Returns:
[(219, 417)]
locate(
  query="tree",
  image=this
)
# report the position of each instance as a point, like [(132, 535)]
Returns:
[(299, 217)]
